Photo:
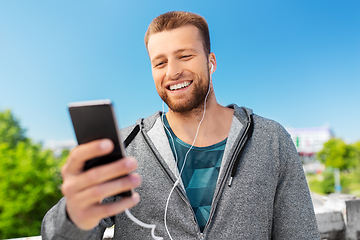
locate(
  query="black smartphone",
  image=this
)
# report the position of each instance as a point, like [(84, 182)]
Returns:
[(93, 120)]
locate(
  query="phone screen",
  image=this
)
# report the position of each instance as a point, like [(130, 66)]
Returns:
[(95, 120)]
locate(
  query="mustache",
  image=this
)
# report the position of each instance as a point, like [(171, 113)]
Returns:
[(186, 75)]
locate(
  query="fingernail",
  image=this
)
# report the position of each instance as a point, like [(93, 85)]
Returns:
[(130, 163), (135, 197), (105, 144), (135, 179)]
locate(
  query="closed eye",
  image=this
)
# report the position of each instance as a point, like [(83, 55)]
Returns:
[(186, 57), (159, 65)]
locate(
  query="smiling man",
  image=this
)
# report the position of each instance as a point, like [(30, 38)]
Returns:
[(182, 68), (208, 171)]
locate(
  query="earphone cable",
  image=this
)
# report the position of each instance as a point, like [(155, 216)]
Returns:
[(185, 158)]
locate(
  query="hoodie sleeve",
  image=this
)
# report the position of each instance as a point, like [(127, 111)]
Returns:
[(56, 225), (294, 216)]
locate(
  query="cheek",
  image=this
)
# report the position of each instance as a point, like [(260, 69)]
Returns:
[(157, 78)]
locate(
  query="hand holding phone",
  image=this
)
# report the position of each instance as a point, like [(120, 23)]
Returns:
[(85, 187), (85, 190), (94, 120)]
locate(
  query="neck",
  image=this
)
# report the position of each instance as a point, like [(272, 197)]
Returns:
[(214, 127)]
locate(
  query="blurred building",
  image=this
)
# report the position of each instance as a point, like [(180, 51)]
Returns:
[(309, 141)]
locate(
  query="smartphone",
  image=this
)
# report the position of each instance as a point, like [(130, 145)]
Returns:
[(93, 120)]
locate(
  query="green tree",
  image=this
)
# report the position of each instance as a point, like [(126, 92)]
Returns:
[(356, 147), (337, 154), (10, 130), (29, 181)]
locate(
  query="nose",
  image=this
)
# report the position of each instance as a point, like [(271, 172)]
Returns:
[(173, 71)]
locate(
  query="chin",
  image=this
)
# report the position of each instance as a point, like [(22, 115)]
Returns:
[(182, 106)]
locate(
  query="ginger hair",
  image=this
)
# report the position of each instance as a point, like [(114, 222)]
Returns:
[(176, 19)]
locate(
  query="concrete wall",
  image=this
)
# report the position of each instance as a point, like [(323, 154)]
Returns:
[(353, 219), (332, 225)]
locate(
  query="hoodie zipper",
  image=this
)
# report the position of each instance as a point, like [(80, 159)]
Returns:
[(238, 148), (183, 197)]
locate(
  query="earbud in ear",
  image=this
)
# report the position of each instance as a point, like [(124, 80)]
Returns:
[(212, 67)]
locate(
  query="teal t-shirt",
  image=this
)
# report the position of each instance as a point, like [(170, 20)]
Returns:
[(200, 173)]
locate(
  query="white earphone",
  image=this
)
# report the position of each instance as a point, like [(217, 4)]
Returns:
[(185, 158)]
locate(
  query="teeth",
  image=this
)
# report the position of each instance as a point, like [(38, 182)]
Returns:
[(179, 86)]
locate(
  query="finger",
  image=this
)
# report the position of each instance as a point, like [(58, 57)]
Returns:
[(88, 219), (98, 175), (84, 152), (97, 193), (111, 209), (109, 171)]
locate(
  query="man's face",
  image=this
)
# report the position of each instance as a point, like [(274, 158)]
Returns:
[(180, 67)]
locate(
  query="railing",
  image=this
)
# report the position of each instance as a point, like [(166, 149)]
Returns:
[(333, 225), (108, 234)]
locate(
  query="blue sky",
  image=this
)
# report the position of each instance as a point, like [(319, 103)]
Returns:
[(297, 62)]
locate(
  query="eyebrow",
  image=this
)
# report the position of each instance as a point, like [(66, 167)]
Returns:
[(185, 49)]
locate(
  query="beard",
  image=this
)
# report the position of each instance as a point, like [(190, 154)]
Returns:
[(200, 88)]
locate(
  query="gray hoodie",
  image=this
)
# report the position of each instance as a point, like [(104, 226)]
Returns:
[(268, 197)]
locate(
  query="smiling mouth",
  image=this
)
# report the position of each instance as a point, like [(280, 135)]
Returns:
[(179, 86)]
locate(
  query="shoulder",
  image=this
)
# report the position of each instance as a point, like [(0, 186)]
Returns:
[(269, 126), (263, 125), (271, 133), (267, 134)]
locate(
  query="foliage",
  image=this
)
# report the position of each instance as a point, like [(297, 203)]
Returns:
[(323, 183), (356, 147), (328, 183), (29, 181), (352, 182), (10, 130), (337, 154)]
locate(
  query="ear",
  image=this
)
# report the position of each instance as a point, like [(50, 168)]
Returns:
[(212, 62)]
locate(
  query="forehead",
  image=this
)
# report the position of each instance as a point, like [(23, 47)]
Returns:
[(170, 41)]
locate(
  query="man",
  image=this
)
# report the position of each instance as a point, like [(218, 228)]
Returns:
[(236, 175)]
